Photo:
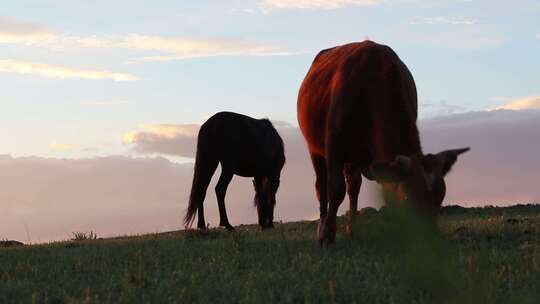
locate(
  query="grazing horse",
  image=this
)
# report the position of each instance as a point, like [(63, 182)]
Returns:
[(357, 109), (243, 146)]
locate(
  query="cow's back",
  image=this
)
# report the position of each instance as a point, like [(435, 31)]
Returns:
[(364, 95)]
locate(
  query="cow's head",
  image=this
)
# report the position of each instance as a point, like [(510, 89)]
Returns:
[(416, 179)]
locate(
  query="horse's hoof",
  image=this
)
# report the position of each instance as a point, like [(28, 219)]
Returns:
[(267, 227), (227, 226)]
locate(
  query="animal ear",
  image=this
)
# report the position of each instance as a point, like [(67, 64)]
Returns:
[(449, 157), (387, 172)]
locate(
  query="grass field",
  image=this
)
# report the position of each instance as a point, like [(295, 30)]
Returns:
[(480, 255)]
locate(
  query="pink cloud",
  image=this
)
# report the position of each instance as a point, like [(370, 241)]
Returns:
[(119, 195), (523, 103)]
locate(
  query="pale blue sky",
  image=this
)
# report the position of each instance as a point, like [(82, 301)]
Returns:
[(252, 56)]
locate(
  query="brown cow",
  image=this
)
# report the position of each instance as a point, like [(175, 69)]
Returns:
[(357, 109)]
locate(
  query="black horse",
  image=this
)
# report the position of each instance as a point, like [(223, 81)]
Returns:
[(244, 146)]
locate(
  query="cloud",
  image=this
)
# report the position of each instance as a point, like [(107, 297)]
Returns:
[(167, 48), (62, 146), (430, 108), (314, 4), (90, 150), (59, 72), (502, 167), (110, 195), (443, 20), (173, 139), (169, 139), (121, 195), (179, 49), (523, 103), (173, 48), (18, 28)]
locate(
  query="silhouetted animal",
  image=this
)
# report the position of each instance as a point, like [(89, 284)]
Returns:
[(243, 146), (357, 109)]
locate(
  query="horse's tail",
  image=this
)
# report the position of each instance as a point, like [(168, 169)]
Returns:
[(205, 165)]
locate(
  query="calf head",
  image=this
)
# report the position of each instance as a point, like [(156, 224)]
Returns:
[(416, 179)]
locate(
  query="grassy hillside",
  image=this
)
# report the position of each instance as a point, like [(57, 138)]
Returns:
[(487, 255)]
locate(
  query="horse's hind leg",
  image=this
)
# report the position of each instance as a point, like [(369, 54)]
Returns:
[(353, 179), (201, 224), (200, 185), (221, 190)]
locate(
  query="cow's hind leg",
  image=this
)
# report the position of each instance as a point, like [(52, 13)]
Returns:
[(336, 194), (353, 179), (321, 185), (319, 165), (221, 190), (199, 190)]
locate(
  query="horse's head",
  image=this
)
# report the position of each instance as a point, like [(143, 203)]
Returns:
[(265, 199), (418, 179)]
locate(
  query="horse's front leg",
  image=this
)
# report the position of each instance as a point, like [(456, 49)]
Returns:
[(221, 190)]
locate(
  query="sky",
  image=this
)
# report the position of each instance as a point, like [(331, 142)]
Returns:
[(101, 100)]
